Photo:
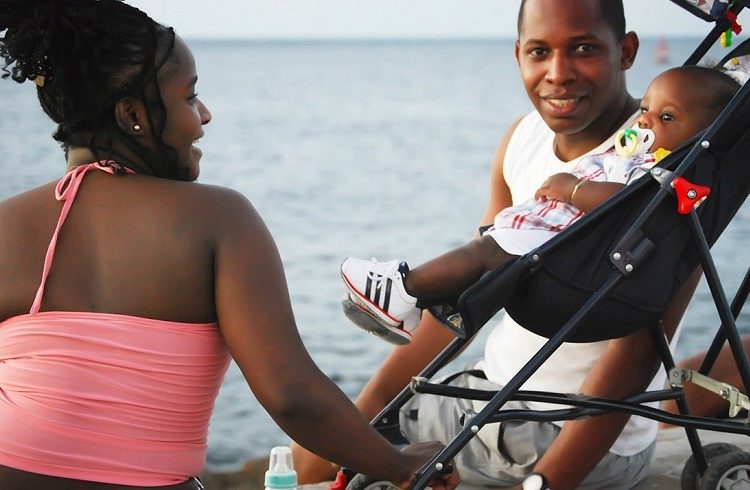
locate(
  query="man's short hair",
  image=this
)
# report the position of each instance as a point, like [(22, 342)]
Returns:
[(611, 11)]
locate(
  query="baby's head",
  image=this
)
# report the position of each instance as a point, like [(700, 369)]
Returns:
[(683, 101)]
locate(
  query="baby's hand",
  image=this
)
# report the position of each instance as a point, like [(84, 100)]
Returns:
[(559, 187)]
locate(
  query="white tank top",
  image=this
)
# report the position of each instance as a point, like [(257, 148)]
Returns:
[(529, 159)]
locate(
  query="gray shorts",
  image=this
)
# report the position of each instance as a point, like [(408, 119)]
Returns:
[(501, 455)]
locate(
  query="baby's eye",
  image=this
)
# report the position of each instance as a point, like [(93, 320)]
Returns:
[(667, 117), (643, 110)]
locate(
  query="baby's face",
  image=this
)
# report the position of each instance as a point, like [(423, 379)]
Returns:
[(672, 108)]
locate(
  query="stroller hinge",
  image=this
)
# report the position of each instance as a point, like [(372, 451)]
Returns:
[(737, 400), (689, 195), (630, 252)]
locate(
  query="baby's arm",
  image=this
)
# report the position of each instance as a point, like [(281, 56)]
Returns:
[(583, 194)]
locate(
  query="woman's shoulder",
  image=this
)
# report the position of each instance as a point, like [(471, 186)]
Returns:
[(221, 212), (217, 204), (212, 194), (26, 201)]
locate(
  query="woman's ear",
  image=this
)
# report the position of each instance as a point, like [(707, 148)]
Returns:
[(130, 115)]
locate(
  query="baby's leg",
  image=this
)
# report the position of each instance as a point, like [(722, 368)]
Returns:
[(448, 275)]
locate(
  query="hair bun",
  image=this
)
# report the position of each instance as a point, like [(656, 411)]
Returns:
[(23, 45), (32, 31)]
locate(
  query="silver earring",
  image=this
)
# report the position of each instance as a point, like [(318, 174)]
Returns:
[(136, 127)]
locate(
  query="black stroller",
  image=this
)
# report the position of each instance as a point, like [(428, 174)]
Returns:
[(619, 266)]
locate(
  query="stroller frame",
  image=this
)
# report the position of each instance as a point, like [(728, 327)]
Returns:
[(631, 247)]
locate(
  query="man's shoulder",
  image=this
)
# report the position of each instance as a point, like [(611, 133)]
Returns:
[(532, 127), (530, 133), (533, 119)]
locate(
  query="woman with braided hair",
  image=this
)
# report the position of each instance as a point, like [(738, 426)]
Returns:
[(125, 287)]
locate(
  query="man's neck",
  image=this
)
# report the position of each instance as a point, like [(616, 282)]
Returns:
[(570, 146)]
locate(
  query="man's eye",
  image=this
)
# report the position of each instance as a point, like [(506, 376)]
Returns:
[(667, 117), (537, 52), (585, 48)]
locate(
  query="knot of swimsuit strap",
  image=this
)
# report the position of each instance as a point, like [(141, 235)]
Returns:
[(64, 187)]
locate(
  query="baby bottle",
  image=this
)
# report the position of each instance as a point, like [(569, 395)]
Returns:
[(281, 474)]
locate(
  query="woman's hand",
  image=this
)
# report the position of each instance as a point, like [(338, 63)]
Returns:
[(419, 454), (559, 187)]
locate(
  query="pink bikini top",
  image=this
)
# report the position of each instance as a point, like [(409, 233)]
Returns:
[(106, 397)]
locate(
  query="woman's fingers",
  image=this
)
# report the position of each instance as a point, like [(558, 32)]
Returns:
[(423, 452)]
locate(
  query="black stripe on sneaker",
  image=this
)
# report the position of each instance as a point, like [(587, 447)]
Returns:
[(376, 298), (387, 299), (368, 286)]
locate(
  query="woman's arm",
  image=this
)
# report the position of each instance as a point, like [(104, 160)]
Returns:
[(257, 323)]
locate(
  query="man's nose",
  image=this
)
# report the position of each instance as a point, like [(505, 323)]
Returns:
[(560, 69)]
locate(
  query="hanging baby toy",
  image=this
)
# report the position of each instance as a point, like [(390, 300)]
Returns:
[(722, 8)]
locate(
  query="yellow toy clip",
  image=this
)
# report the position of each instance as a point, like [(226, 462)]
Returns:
[(660, 155)]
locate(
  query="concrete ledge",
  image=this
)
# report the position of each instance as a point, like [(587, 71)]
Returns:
[(672, 450)]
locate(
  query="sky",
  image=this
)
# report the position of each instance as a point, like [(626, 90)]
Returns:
[(240, 19)]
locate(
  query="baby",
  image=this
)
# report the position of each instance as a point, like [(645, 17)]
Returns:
[(385, 298)]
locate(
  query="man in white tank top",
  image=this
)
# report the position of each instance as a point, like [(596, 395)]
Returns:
[(572, 57)]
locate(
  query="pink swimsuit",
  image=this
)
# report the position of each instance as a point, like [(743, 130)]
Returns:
[(106, 397)]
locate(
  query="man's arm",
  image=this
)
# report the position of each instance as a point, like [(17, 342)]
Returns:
[(430, 337), (406, 361), (625, 368)]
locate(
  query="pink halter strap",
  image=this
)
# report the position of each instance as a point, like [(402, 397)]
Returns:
[(66, 191)]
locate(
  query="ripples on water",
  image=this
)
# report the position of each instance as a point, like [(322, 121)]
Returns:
[(348, 148)]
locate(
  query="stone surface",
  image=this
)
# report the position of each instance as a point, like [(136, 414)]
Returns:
[(672, 450)]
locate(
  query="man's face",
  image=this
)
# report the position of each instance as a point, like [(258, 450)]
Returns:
[(571, 62)]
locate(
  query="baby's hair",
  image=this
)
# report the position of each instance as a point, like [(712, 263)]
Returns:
[(717, 85), (85, 55)]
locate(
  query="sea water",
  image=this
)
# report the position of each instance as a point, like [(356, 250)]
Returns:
[(350, 148)]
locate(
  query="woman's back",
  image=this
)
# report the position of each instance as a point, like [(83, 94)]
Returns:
[(131, 244), (82, 366)]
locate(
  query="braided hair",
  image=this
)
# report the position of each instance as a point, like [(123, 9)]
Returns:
[(84, 56)]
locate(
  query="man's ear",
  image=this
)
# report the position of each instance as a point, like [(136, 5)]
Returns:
[(629, 50), (517, 51), (130, 115)]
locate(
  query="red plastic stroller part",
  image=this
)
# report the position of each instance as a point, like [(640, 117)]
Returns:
[(689, 195), (340, 482)]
